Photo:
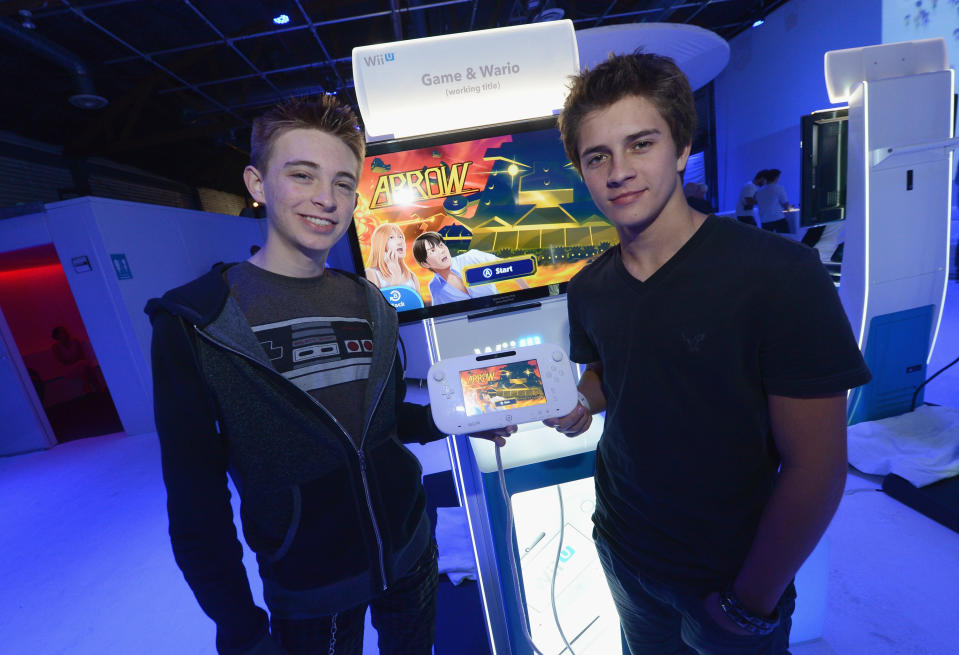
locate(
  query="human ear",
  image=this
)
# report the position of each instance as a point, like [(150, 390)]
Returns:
[(254, 183), (683, 158)]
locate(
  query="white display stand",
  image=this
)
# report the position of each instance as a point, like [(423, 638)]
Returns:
[(898, 198), (536, 460), (425, 86)]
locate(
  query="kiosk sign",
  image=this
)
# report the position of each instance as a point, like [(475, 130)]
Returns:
[(457, 81)]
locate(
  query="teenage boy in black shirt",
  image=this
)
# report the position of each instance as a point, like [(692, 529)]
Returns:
[(284, 373), (722, 357)]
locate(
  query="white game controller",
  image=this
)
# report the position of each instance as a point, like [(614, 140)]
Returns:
[(484, 392)]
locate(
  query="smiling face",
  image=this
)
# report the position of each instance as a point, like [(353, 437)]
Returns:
[(630, 163), (309, 189)]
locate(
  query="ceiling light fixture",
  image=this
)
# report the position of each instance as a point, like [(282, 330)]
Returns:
[(26, 19), (282, 19), (759, 21)]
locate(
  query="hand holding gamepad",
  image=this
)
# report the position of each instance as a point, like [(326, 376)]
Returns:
[(573, 424), (497, 436)]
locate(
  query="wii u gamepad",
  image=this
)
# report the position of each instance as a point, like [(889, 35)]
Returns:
[(473, 393)]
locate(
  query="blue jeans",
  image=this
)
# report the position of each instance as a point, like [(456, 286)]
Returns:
[(404, 617), (660, 620)]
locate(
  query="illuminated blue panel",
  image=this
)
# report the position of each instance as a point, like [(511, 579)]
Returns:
[(896, 351)]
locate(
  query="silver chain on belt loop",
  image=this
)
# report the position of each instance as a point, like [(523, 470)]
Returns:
[(333, 635)]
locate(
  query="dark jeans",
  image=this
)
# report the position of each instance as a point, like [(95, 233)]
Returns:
[(404, 617), (660, 620)]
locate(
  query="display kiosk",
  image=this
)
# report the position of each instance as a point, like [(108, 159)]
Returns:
[(539, 465), (472, 156), (898, 197)]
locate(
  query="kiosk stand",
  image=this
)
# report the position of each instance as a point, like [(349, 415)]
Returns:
[(895, 261), (539, 464), (458, 82)]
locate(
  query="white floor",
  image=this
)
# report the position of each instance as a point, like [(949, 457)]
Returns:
[(86, 567)]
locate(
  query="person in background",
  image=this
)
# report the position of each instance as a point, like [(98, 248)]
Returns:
[(71, 354), (771, 203), (722, 356), (283, 374), (747, 199)]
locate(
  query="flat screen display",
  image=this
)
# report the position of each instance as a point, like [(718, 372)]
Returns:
[(825, 145), (469, 220), (502, 386)]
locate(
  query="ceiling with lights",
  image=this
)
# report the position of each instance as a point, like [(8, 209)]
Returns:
[(171, 86)]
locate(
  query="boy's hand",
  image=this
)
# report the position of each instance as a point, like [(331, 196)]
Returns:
[(573, 424), (715, 612), (498, 436)]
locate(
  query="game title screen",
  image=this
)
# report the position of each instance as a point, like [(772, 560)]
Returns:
[(475, 218), (502, 386)]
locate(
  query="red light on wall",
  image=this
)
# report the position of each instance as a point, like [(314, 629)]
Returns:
[(31, 273)]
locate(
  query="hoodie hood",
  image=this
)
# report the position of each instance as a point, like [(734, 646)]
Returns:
[(199, 301)]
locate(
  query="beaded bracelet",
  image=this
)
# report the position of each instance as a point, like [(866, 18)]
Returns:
[(738, 614)]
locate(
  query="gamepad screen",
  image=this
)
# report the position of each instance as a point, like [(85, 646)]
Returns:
[(502, 387)]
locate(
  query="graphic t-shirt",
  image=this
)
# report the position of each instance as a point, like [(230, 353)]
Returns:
[(316, 333)]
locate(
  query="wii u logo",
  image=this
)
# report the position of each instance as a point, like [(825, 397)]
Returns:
[(379, 60)]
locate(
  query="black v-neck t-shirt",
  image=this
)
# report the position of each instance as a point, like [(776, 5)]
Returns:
[(687, 461)]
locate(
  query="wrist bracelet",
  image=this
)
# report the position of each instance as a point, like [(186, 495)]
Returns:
[(736, 612), (584, 402)]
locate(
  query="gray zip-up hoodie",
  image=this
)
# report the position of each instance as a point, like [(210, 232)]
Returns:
[(331, 523)]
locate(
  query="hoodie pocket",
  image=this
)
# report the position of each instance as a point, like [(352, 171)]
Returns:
[(293, 527)]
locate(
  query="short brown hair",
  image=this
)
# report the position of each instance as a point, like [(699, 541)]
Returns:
[(653, 77), (325, 113)]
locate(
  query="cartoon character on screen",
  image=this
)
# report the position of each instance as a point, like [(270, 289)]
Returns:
[(388, 270), (448, 285), (387, 267), (474, 401)]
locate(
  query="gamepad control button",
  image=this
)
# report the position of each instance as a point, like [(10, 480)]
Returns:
[(557, 356), (438, 375)]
